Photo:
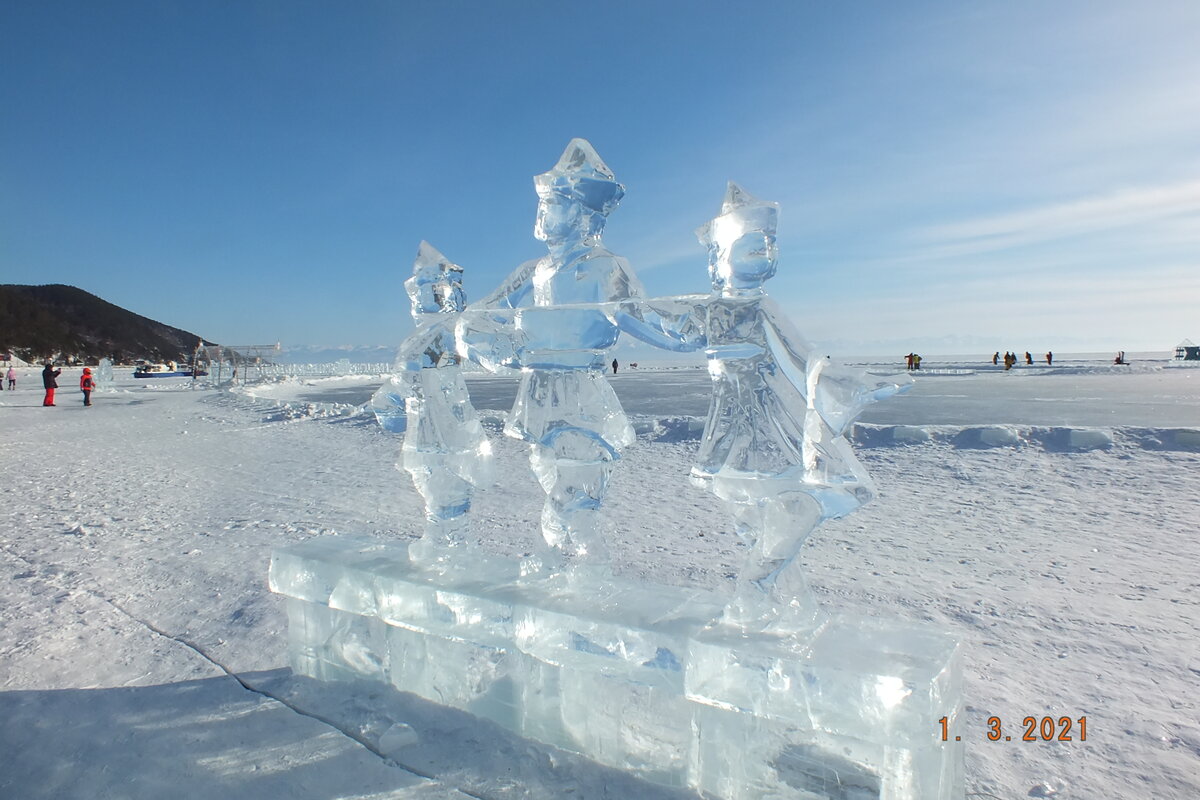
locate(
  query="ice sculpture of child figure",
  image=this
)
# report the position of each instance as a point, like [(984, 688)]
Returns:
[(445, 448), (557, 318), (772, 447)]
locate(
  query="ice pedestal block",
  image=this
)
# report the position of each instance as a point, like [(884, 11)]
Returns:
[(634, 676)]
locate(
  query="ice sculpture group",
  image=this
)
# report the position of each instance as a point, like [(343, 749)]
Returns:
[(753, 693)]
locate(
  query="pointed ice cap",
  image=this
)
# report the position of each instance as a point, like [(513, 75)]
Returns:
[(741, 213), (582, 175), (735, 197), (436, 284), (430, 265), (582, 160)]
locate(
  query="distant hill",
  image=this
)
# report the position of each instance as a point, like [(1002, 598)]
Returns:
[(37, 322)]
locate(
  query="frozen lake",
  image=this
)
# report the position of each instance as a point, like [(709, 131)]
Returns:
[(132, 588), (1090, 395)]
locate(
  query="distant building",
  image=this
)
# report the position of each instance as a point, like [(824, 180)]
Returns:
[(1186, 351)]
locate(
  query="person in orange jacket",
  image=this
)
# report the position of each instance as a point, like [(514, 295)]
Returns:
[(86, 385)]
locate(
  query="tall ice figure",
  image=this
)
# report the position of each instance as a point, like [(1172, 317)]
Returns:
[(773, 447), (551, 319)]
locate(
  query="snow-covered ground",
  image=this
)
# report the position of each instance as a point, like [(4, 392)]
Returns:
[(1046, 516)]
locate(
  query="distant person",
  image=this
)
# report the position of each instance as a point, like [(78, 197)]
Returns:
[(614, 366), (48, 376), (1120, 359), (1049, 358), (1028, 358), (916, 361), (1009, 360), (86, 385), (996, 358), (12, 378)]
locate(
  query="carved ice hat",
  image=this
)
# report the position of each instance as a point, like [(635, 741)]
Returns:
[(741, 213), (436, 284), (582, 175)]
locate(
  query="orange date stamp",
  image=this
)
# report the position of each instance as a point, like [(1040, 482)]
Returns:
[(1032, 729)]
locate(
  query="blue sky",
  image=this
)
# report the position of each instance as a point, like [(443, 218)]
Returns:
[(1014, 174)]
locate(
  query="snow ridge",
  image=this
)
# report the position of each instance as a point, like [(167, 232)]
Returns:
[(1052, 439)]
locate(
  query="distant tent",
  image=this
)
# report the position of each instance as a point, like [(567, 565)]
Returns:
[(1186, 351)]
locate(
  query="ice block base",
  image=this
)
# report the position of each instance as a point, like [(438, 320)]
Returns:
[(635, 676)]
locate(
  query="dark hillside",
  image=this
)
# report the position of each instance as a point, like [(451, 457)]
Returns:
[(37, 322)]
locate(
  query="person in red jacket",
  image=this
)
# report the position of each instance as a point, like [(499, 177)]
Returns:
[(86, 384), (48, 376)]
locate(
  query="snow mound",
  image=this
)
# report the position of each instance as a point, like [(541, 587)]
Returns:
[(1076, 440), (890, 435), (1051, 440), (988, 436), (1185, 439), (294, 411), (971, 437)]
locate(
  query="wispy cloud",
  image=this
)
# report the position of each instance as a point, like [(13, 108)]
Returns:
[(1178, 203)]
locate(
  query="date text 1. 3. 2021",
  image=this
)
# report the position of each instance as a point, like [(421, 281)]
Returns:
[(1036, 729)]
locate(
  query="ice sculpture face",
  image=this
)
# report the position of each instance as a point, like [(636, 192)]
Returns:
[(436, 284), (576, 196), (561, 219), (741, 242)]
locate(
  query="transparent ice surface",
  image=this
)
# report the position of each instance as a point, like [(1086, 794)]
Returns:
[(445, 448), (632, 676)]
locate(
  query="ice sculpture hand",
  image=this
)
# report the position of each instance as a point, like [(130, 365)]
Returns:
[(669, 323), (490, 338)]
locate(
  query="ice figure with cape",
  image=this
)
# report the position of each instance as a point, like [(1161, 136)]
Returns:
[(557, 318), (445, 448), (773, 447)]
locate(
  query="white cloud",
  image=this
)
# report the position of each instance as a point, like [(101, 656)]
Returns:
[(1176, 202)]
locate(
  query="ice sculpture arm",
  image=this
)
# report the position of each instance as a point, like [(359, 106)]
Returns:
[(486, 332), (669, 323), (429, 346), (513, 291)]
